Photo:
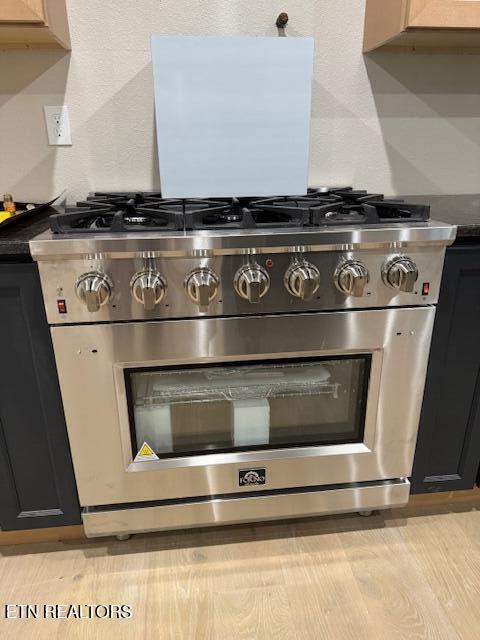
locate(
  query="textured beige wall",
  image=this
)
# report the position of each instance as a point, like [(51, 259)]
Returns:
[(388, 122)]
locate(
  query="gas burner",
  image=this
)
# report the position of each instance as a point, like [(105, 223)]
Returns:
[(121, 212), (118, 213), (202, 213), (345, 207), (223, 213), (244, 213), (339, 214), (222, 219), (400, 211), (368, 212)]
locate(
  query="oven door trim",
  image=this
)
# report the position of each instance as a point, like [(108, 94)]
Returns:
[(250, 457), (90, 361)]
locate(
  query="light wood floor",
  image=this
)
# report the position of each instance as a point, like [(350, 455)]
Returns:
[(411, 573)]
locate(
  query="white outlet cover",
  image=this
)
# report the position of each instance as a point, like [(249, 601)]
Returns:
[(233, 115), (58, 125)]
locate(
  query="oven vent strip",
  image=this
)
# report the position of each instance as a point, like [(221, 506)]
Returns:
[(266, 314), (243, 495)]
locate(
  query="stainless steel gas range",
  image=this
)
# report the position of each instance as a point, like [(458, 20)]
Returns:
[(226, 361)]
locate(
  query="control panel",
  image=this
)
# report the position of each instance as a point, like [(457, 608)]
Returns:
[(111, 289)]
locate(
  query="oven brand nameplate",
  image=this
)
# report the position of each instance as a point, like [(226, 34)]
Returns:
[(247, 477)]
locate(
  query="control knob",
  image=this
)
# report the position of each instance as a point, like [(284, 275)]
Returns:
[(148, 287), (302, 279), (201, 286), (251, 282), (94, 289), (400, 272), (351, 277)]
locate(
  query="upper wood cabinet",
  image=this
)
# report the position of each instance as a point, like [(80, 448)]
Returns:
[(34, 24), (22, 11), (423, 25), (444, 14)]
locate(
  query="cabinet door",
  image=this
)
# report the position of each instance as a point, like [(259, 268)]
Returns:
[(444, 14), (22, 11), (36, 476), (448, 447)]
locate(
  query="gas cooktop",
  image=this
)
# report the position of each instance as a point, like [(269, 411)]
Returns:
[(120, 212)]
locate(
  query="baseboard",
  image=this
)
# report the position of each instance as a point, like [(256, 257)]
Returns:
[(444, 497), (52, 534), (76, 532)]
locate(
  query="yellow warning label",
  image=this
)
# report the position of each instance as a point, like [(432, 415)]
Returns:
[(146, 450), (145, 454)]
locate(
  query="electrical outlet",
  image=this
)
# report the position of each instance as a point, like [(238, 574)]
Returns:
[(58, 125)]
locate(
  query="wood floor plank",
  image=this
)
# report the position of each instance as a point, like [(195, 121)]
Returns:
[(248, 614), (323, 594), (446, 549), (401, 575), (399, 599), (90, 573)]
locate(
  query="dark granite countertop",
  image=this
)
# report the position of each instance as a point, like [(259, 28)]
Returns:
[(462, 210), (14, 238)]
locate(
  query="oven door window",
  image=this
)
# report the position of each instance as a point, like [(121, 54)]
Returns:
[(241, 407)]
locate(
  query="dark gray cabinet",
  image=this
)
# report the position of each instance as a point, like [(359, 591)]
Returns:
[(37, 486), (448, 448)]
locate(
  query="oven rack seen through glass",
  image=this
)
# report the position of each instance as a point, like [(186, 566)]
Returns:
[(154, 388)]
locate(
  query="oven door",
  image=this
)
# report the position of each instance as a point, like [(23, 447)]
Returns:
[(242, 404)]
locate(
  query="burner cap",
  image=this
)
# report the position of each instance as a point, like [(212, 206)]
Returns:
[(232, 217), (222, 218), (136, 219)]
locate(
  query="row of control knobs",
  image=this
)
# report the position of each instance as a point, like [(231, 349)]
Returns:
[(251, 282)]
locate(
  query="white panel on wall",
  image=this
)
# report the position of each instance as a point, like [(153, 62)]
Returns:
[(385, 122), (233, 115)]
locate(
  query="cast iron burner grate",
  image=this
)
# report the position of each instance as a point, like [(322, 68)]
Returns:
[(242, 213), (118, 213), (148, 211), (347, 207)]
